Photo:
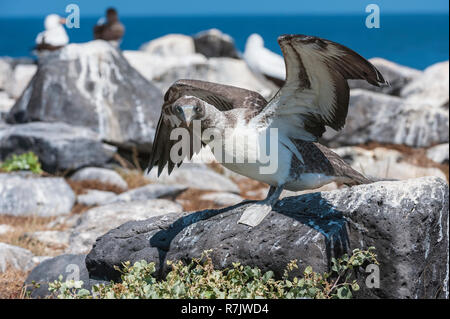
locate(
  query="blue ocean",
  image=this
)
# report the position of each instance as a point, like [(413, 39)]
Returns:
[(413, 40)]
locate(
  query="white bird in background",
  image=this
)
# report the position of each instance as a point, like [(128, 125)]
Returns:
[(54, 36), (264, 61)]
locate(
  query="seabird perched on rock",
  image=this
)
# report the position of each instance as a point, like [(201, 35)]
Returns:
[(112, 30), (240, 125), (263, 61), (54, 37)]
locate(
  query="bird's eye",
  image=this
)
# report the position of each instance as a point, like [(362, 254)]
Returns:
[(197, 108), (178, 109)]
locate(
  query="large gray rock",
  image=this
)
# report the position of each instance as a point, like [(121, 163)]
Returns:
[(92, 85), (431, 88), (406, 221), (103, 175), (13, 256), (388, 119), (70, 267), (213, 44), (99, 220), (397, 75), (22, 195), (59, 146)]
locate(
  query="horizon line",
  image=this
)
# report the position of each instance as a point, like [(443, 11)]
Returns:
[(162, 15)]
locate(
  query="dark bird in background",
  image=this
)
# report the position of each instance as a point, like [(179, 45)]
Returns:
[(111, 29), (315, 95)]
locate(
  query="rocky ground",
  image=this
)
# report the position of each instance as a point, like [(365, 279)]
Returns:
[(89, 113)]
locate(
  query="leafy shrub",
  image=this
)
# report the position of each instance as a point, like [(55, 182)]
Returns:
[(199, 279), (24, 162)]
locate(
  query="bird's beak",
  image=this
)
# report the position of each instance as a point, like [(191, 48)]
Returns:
[(62, 21), (188, 114)]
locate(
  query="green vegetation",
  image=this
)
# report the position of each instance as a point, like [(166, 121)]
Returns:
[(24, 162), (199, 279)]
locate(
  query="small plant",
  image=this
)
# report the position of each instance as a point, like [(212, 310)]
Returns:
[(24, 162), (199, 280)]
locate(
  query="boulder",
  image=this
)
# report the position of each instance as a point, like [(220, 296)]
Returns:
[(50, 237), (19, 80), (13, 256), (70, 267), (95, 197), (431, 88), (222, 198), (388, 119), (170, 45), (220, 70), (439, 153), (213, 43), (195, 176), (150, 191), (406, 221), (397, 75), (92, 85), (102, 175), (382, 163), (59, 146), (99, 220), (27, 195), (152, 66)]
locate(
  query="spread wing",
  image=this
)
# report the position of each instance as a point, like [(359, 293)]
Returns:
[(316, 93), (223, 97)]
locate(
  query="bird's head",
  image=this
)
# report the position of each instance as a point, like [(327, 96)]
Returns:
[(190, 108), (53, 21)]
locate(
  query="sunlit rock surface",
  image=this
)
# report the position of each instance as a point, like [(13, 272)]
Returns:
[(92, 85)]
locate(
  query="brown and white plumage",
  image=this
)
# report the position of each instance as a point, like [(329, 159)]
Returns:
[(223, 97), (315, 95)]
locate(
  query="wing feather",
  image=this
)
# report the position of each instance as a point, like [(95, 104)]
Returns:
[(316, 93)]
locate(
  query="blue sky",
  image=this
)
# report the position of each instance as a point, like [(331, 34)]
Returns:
[(26, 8)]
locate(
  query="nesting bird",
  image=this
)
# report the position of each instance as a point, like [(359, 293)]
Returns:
[(54, 36), (273, 142)]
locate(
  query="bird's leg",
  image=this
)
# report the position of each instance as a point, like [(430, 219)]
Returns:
[(255, 213)]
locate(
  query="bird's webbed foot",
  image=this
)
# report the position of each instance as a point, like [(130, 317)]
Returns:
[(255, 213)]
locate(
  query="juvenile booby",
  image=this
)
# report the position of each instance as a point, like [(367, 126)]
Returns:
[(263, 61), (54, 37), (110, 30), (315, 95)]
